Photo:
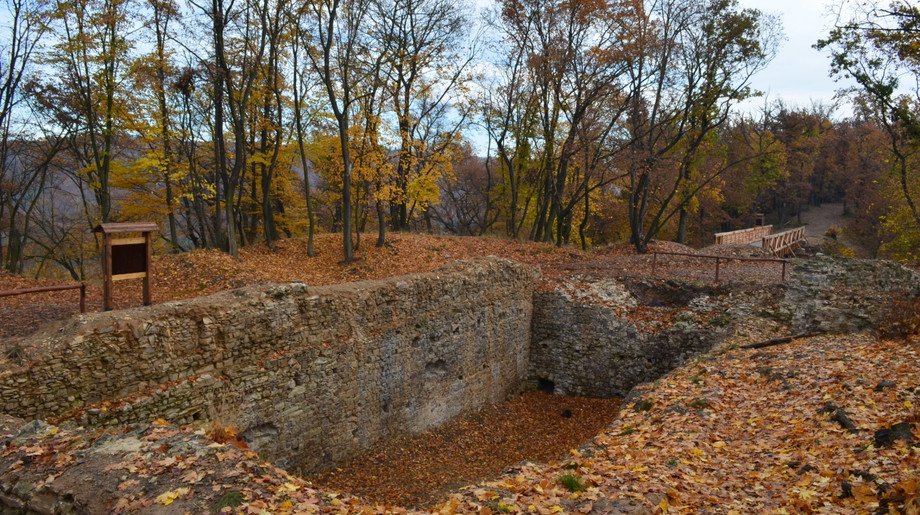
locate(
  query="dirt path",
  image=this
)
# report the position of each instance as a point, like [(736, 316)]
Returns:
[(818, 220)]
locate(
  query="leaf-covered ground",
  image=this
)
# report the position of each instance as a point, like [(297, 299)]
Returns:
[(411, 470), (736, 431), (750, 431)]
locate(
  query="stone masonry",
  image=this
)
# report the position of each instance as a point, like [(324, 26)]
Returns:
[(309, 375)]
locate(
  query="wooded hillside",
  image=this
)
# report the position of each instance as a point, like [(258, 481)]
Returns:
[(235, 122)]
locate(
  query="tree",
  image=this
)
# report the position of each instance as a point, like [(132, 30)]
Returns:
[(878, 46), (334, 40), (697, 61), (91, 57), (424, 68), (21, 36)]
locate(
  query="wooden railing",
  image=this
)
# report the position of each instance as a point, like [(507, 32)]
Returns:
[(784, 243), (749, 235), (718, 261), (44, 289)]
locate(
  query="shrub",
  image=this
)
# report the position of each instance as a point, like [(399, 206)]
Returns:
[(900, 318), (230, 499), (16, 353)]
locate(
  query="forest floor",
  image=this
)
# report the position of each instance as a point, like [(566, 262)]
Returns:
[(203, 272)]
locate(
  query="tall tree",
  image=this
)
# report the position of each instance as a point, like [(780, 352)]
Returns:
[(91, 56), (335, 42), (25, 28), (878, 45)]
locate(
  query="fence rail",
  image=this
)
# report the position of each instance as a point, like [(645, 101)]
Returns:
[(718, 260), (749, 235), (45, 289), (783, 243)]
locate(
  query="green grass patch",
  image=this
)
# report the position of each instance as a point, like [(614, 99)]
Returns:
[(572, 483)]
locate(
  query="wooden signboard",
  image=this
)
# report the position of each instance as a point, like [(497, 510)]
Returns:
[(126, 254)]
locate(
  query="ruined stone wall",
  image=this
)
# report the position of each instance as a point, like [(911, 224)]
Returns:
[(589, 340), (309, 375), (584, 344), (841, 295)]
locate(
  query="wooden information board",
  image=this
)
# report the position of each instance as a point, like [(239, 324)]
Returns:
[(125, 257)]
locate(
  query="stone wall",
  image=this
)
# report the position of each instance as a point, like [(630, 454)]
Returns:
[(841, 295), (309, 375), (589, 339), (585, 345)]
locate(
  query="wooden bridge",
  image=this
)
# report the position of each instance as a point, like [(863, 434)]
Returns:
[(743, 236), (784, 243), (780, 244)]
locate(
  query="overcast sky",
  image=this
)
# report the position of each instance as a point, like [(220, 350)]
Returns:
[(799, 74)]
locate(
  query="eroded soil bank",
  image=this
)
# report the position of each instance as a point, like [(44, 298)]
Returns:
[(419, 470)]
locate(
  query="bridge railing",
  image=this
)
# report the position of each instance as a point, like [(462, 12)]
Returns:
[(749, 235), (784, 243), (719, 260)]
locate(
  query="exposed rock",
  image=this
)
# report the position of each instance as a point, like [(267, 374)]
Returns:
[(887, 437)]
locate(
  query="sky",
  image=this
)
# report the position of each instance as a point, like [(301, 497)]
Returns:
[(799, 73)]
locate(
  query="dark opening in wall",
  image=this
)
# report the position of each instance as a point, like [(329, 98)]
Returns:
[(545, 385)]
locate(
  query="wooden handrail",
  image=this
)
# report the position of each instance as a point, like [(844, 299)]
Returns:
[(748, 235), (784, 241), (718, 260), (45, 289)]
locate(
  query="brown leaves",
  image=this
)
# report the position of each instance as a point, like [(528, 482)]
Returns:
[(418, 470), (759, 444)]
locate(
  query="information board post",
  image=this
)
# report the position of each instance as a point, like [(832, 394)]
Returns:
[(125, 257)]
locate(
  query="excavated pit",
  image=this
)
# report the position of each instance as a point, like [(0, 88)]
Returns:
[(420, 470), (404, 389)]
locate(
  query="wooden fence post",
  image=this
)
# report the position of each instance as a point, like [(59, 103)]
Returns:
[(107, 272)]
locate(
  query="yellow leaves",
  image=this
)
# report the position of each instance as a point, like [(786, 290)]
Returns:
[(556, 509), (167, 498), (289, 487), (806, 495), (719, 444)]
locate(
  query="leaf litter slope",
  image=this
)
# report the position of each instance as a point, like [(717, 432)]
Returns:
[(737, 431), (749, 432)]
